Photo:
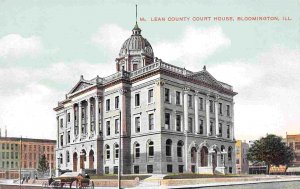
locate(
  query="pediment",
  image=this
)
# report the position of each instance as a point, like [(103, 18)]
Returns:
[(80, 86), (206, 77)]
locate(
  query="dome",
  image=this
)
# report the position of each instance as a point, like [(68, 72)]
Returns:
[(136, 44)]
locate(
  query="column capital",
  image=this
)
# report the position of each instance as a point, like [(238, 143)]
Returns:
[(160, 83), (196, 93), (123, 91), (217, 97), (186, 89)]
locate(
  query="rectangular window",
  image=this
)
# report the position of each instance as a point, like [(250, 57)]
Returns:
[(190, 125), (151, 121), (190, 101), (117, 102), (69, 117), (137, 99), (211, 128), (180, 168), (228, 131), (201, 127), (150, 96), (61, 140), (220, 129), (169, 168), (106, 171), (178, 122), (117, 126), (69, 136), (107, 128), (107, 104), (220, 108), (211, 106), (136, 169), (201, 103), (61, 122), (178, 94), (137, 124), (167, 121), (167, 95), (149, 168), (227, 110)]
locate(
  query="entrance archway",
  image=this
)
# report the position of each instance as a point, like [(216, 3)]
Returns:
[(91, 159), (82, 159), (75, 162), (204, 156)]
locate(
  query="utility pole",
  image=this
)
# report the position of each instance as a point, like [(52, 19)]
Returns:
[(20, 162), (119, 167)]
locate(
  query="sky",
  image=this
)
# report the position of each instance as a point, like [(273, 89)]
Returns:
[(46, 45)]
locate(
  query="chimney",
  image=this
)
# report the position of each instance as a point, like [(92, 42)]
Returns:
[(5, 132), (0, 132)]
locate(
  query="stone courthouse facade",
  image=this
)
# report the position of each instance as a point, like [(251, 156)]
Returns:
[(171, 120)]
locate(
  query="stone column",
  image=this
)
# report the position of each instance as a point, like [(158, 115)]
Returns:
[(88, 117), (185, 109), (97, 116), (207, 115), (186, 122), (217, 115), (79, 119), (197, 129), (209, 163), (219, 162)]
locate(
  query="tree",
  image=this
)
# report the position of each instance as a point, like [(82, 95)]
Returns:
[(43, 164), (271, 150)]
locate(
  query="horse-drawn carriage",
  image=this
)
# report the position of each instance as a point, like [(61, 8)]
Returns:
[(69, 180)]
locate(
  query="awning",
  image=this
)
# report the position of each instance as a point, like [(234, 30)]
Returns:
[(293, 169)]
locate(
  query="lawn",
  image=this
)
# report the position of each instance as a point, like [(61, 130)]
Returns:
[(195, 176), (115, 177)]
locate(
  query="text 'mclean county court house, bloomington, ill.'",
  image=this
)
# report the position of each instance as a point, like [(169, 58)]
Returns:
[(172, 120)]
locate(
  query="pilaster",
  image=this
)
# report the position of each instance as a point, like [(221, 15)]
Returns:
[(197, 113), (207, 115), (217, 115)]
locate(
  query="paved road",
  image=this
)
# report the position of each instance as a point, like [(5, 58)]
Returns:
[(274, 185)]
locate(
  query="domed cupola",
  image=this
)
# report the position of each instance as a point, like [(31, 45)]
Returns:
[(135, 52)]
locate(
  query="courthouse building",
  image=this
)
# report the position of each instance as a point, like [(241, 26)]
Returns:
[(170, 119)]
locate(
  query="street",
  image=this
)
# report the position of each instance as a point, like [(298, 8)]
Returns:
[(273, 185)]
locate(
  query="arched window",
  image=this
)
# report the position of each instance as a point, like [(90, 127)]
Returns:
[(68, 156), (136, 150), (193, 155), (107, 151), (116, 151), (204, 156), (229, 153), (179, 148), (169, 147), (151, 149)]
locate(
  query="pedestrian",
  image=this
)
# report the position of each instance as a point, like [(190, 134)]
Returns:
[(23, 179)]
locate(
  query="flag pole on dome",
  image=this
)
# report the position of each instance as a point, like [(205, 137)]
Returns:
[(136, 13)]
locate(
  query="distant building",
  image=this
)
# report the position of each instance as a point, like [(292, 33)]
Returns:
[(241, 150), (12, 158), (293, 141)]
